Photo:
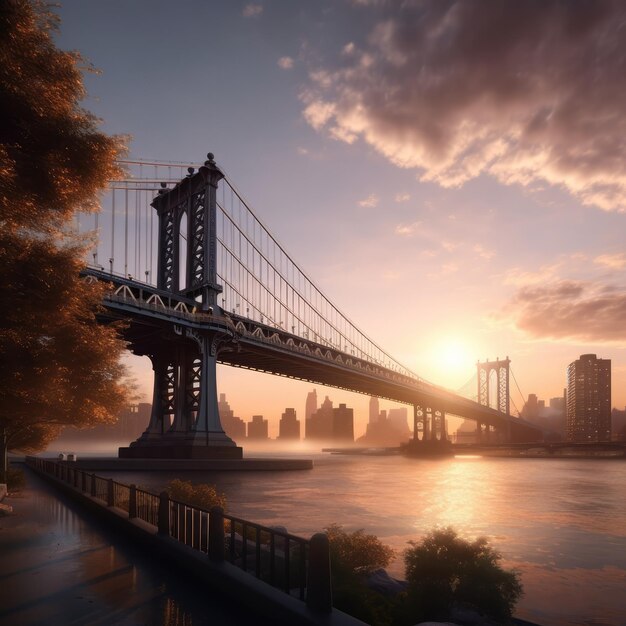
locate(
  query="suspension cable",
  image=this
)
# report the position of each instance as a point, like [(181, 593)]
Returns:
[(517, 385)]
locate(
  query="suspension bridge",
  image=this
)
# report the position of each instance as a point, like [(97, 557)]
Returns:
[(200, 280)]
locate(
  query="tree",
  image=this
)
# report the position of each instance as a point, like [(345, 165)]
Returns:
[(57, 364), (444, 571), (353, 556)]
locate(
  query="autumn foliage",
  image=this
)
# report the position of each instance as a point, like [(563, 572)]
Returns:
[(200, 495), (57, 364)]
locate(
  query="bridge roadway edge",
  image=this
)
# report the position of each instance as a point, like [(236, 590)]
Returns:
[(260, 597)]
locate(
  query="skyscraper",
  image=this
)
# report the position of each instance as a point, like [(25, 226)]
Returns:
[(233, 426), (374, 410), (311, 404), (589, 399), (343, 424), (320, 424), (257, 428), (289, 426)]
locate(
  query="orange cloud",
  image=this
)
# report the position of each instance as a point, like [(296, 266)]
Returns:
[(574, 310), (612, 261)]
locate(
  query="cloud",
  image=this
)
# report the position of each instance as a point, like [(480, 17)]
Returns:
[(612, 261), (318, 113), (571, 310), (302, 151), (529, 92), (402, 197), (449, 268), (370, 202), (285, 63), (407, 230), (252, 10), (483, 253), (525, 278)]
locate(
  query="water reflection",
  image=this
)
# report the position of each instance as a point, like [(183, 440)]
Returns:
[(560, 522), (57, 567)]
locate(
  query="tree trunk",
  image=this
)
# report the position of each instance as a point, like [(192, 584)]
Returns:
[(4, 455)]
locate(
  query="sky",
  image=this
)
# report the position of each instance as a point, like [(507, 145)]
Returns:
[(451, 174)]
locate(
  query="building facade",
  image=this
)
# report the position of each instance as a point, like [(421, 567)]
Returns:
[(343, 424), (233, 426), (589, 399), (289, 425), (258, 428)]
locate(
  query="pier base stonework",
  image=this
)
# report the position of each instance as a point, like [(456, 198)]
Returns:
[(165, 451)]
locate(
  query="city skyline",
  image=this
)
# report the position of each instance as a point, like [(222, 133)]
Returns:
[(497, 261)]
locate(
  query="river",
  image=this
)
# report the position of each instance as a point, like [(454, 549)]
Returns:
[(560, 522)]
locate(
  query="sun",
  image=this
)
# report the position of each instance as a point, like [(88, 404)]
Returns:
[(453, 354), (453, 361)]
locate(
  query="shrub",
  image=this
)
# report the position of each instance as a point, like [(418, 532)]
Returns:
[(356, 551), (444, 571), (202, 495), (353, 556)]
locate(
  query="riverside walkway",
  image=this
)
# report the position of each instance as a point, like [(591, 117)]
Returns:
[(59, 566)]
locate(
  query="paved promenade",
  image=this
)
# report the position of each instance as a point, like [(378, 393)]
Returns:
[(58, 566)]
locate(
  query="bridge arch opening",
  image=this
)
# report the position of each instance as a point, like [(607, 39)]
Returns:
[(183, 261), (493, 389)]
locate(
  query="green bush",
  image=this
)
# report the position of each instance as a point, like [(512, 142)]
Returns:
[(202, 495), (444, 571)]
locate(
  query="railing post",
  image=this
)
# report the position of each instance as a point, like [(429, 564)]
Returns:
[(132, 501), (75, 478), (319, 596), (110, 493), (216, 533), (164, 514), (84, 475), (93, 485)]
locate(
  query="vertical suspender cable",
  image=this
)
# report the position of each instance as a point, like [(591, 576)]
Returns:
[(126, 233), (112, 257), (95, 254), (152, 281), (137, 238)]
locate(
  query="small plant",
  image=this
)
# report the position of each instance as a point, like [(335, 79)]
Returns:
[(201, 495), (445, 571)]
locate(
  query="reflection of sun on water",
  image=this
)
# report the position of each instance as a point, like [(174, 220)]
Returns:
[(460, 503)]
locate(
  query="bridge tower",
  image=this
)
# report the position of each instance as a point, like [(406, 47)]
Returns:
[(185, 421), (429, 432), (488, 374)]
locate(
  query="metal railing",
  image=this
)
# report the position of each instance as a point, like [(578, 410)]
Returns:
[(269, 554)]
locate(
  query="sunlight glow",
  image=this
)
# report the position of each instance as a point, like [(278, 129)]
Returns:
[(454, 360)]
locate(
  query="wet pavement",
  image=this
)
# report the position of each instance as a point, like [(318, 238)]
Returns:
[(58, 565)]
